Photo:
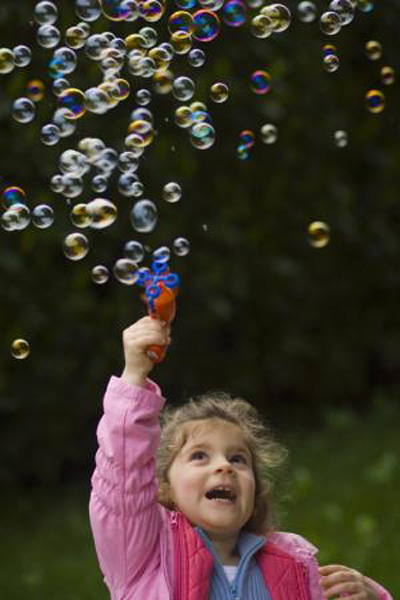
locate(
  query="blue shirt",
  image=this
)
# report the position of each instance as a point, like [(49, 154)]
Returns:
[(249, 582)]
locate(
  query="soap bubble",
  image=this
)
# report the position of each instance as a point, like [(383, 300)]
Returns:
[(185, 4), (80, 217), (134, 250), (42, 216), (207, 25), (64, 61), (247, 138), (75, 37), (99, 183), (72, 185), (344, 9), (196, 57), (260, 82), (388, 75), (66, 125), (73, 100), (96, 101), (261, 26), (183, 88), (60, 85), (181, 246), (23, 110), (318, 234), (102, 213), (100, 274), (35, 90), (20, 216), (72, 161), (365, 5), (76, 246), (96, 46), (329, 49), (307, 11), (330, 23), (45, 13), (56, 184), (7, 61), (202, 135), (234, 13), (269, 133), (22, 55), (181, 21), (114, 10), (341, 138), (243, 152), (126, 184), (183, 116), (144, 216), (181, 42), (128, 162), (13, 195), (20, 349), (126, 271), (375, 101), (373, 50), (172, 192), (212, 4), (143, 97), (140, 134), (88, 10), (162, 254), (151, 10), (279, 15), (331, 63), (48, 36), (219, 92)]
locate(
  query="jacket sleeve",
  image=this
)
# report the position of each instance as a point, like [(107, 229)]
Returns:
[(124, 514)]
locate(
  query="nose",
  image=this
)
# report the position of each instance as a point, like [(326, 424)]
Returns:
[(224, 466)]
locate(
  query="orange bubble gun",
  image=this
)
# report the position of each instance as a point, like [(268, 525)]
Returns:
[(161, 288)]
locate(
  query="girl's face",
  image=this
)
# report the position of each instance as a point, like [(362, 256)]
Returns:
[(215, 454)]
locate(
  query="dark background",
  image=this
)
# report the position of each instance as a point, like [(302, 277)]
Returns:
[(296, 330)]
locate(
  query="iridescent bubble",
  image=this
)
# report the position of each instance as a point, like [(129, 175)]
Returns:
[(330, 23), (247, 138), (13, 195), (162, 82), (42, 216), (66, 125), (73, 100), (20, 349), (365, 5), (88, 10), (181, 21), (183, 88), (144, 216), (114, 10), (234, 13), (341, 138), (331, 63), (269, 133), (202, 135), (243, 152), (126, 271), (279, 15), (102, 212), (183, 116), (7, 61), (373, 50), (64, 61), (140, 134), (151, 10), (100, 274), (307, 11), (96, 101), (75, 37), (260, 82), (219, 92), (375, 101), (131, 10), (60, 85), (48, 36), (45, 13), (185, 4), (134, 250), (143, 97), (23, 110), (35, 90), (329, 49), (22, 55), (261, 26), (388, 75), (181, 246), (162, 254), (196, 57), (76, 246), (344, 9), (142, 114), (211, 4), (172, 192), (318, 234), (181, 42), (80, 217), (206, 25)]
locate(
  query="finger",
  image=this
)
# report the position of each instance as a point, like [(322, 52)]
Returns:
[(328, 569), (346, 587)]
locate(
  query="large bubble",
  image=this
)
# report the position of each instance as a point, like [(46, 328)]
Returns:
[(144, 216)]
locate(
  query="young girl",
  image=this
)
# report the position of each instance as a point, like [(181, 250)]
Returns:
[(197, 523)]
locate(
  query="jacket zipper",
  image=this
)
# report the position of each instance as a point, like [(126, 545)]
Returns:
[(177, 551)]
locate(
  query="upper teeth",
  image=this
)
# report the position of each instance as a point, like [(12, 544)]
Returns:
[(224, 488)]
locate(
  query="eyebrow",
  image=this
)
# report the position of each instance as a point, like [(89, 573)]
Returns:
[(230, 448)]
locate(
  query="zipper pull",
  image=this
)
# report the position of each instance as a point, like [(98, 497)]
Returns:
[(174, 520)]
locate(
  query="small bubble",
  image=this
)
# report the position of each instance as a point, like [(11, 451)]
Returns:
[(100, 274), (319, 234), (20, 349), (76, 246)]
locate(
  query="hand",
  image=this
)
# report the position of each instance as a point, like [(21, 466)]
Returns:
[(136, 339), (339, 580)]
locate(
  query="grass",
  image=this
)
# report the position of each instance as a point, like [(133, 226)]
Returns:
[(343, 497)]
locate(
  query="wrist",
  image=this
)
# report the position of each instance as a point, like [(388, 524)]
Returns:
[(134, 378)]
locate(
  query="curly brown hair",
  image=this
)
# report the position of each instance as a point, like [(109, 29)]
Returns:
[(267, 454)]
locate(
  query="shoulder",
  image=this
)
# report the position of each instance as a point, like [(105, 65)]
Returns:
[(292, 543)]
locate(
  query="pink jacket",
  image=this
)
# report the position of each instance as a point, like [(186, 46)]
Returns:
[(139, 543)]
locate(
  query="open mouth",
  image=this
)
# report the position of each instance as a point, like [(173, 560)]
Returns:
[(221, 496)]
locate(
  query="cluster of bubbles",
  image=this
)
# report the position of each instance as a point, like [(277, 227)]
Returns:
[(375, 98), (142, 57)]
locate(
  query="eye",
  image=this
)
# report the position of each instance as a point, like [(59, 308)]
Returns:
[(192, 457), (240, 456)]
